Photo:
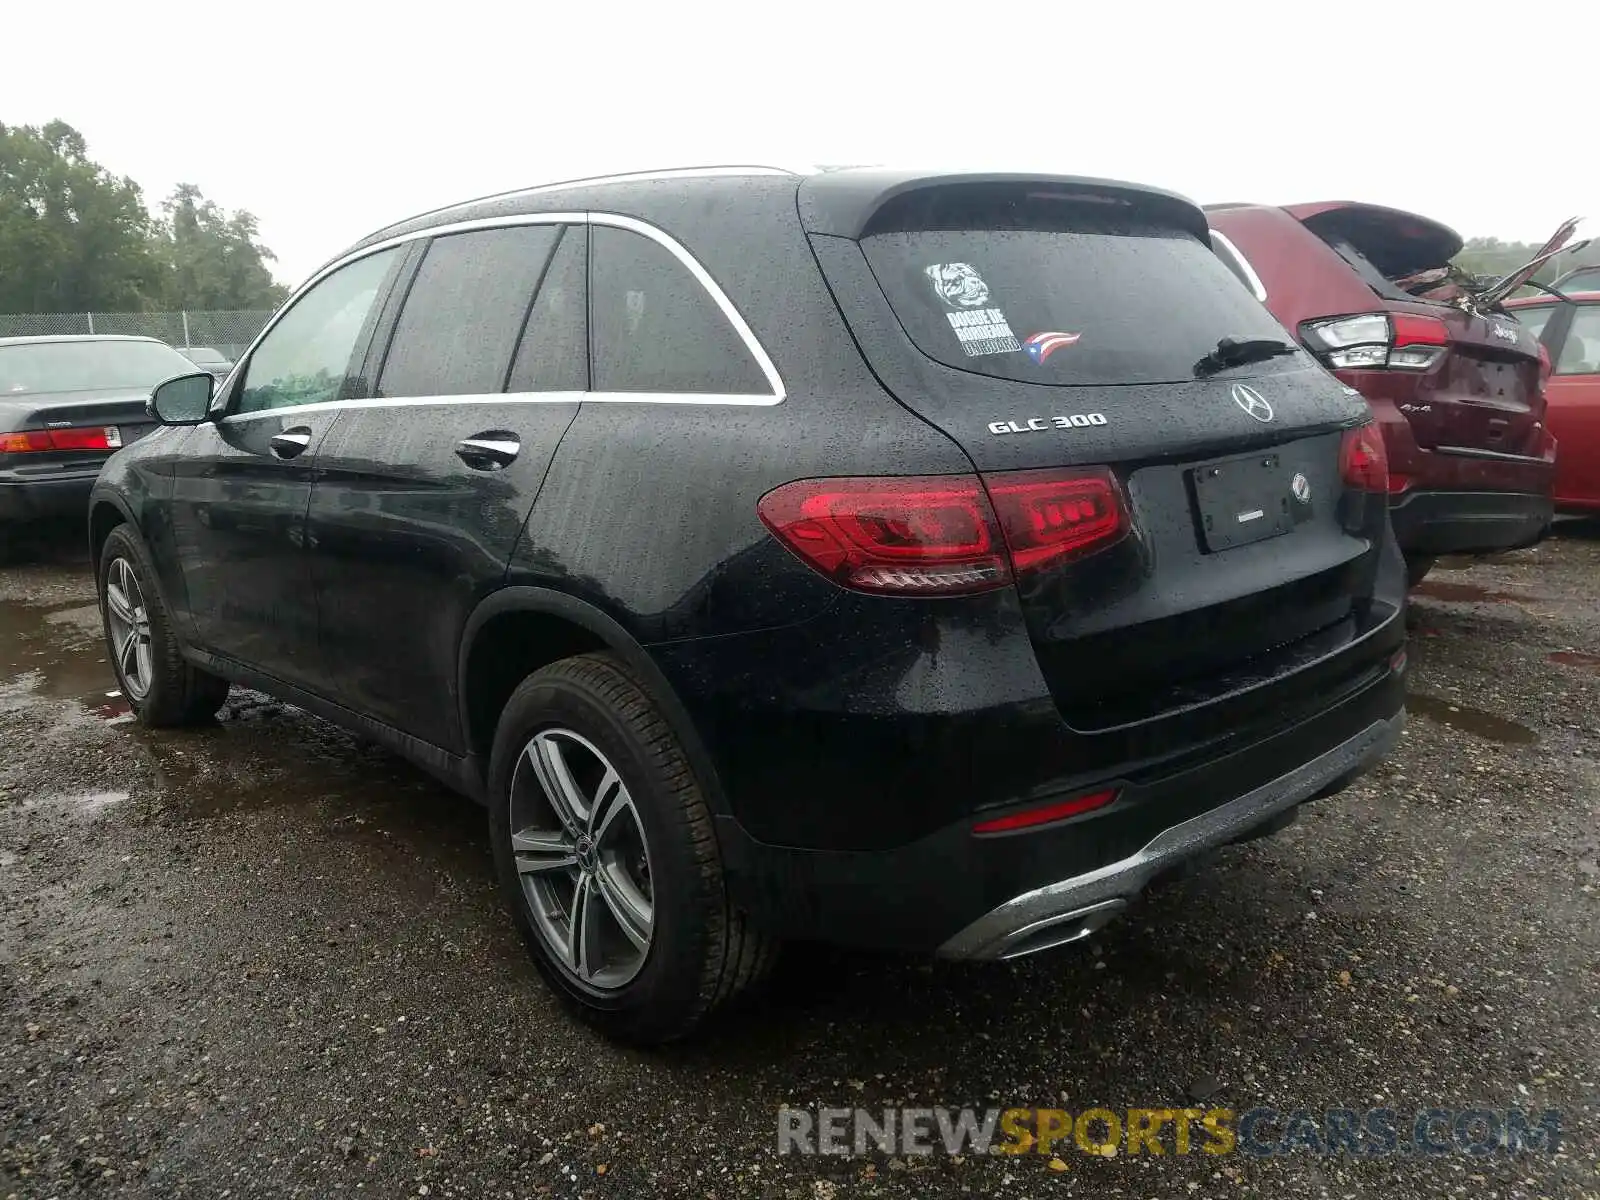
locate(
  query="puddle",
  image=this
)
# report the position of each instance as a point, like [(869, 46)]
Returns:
[(1470, 720), (1466, 593), (1576, 658), (59, 647), (264, 753)]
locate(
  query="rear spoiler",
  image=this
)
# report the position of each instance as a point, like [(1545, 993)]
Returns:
[(854, 203)]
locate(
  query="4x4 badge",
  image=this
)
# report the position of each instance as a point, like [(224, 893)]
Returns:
[(1252, 402)]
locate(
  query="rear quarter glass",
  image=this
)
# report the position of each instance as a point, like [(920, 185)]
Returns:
[(1116, 302)]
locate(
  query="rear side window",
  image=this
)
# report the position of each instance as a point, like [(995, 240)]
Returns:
[(655, 328), (1581, 354), (1099, 300), (465, 312), (553, 355), (1533, 319)]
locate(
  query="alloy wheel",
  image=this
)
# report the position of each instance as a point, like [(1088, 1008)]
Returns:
[(129, 625), (582, 859)]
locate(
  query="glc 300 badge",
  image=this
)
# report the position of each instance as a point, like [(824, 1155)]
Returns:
[(1042, 424)]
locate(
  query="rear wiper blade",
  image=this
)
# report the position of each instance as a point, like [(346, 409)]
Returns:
[(1232, 352)]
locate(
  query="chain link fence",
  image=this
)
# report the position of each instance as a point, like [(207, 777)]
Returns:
[(228, 333)]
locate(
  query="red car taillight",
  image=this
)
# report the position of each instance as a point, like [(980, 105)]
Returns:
[(1404, 341), (943, 535), (106, 437), (1363, 463)]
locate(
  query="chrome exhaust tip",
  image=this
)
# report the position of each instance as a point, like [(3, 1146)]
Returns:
[(1061, 929)]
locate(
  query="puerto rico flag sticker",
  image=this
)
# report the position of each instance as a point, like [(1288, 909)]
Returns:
[(1042, 345)]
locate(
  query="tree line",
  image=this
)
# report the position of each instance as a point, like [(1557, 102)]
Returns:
[(1490, 256), (76, 238)]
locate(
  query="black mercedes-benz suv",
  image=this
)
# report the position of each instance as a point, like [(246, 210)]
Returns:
[(914, 561)]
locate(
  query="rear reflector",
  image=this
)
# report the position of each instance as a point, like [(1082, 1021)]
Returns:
[(1363, 464), (1049, 812), (107, 437), (943, 535)]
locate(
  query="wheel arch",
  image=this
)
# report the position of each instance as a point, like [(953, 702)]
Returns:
[(106, 512), (518, 630)]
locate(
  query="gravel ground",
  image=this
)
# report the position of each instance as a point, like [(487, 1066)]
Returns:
[(269, 960)]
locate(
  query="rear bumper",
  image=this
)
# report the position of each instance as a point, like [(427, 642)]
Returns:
[(1461, 500), (1072, 908), (1429, 522), (26, 499), (964, 895)]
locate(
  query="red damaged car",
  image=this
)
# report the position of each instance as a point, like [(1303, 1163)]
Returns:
[(1457, 387), (1570, 332)]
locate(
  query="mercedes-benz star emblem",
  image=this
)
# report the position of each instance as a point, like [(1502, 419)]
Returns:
[(1300, 488), (1252, 402)]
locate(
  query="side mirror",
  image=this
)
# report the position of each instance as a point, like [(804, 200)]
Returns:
[(185, 400)]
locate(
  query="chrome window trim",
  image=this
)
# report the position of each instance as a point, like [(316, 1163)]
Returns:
[(1256, 286), (711, 398), (612, 220)]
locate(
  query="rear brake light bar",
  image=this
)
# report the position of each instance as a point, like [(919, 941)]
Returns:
[(1401, 341), (944, 535), (107, 437)]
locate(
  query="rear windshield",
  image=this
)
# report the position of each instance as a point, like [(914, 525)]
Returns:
[(1112, 301), (84, 366), (1368, 270)]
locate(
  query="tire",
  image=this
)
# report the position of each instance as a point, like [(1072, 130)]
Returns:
[(1417, 568), (163, 689), (698, 953)]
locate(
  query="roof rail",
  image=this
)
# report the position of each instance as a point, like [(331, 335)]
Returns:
[(626, 177)]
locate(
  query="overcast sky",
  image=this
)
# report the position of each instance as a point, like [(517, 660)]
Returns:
[(328, 121)]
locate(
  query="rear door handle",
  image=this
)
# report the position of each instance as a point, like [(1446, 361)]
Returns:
[(291, 442), (492, 450)]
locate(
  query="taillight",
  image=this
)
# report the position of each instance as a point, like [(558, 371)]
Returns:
[(943, 535), (1419, 341), (1404, 341), (1047, 516), (928, 535), (1363, 464), (107, 437)]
